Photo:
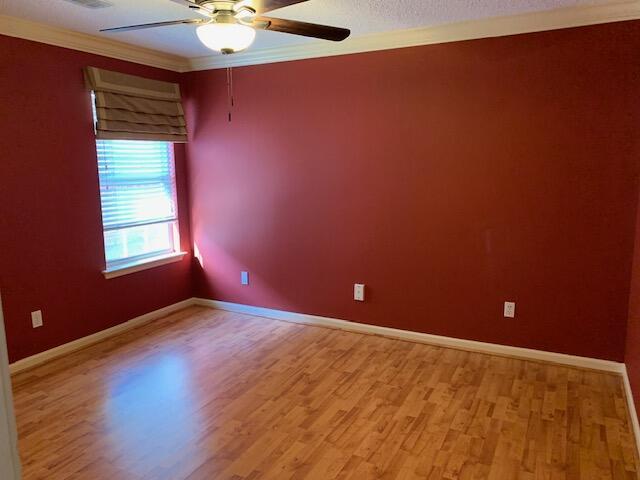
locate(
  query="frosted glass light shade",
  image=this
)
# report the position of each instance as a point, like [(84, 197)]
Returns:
[(226, 37)]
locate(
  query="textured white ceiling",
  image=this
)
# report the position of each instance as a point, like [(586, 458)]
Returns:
[(361, 16)]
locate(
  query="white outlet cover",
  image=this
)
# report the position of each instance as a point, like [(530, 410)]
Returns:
[(36, 318), (244, 278), (358, 292), (509, 309)]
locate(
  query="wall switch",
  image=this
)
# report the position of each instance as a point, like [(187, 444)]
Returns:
[(509, 309), (36, 318), (244, 278), (358, 292)]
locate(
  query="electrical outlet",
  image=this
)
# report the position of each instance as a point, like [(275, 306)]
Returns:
[(36, 318), (244, 278), (358, 292), (509, 309)]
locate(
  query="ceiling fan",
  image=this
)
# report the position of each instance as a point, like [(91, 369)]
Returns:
[(229, 26)]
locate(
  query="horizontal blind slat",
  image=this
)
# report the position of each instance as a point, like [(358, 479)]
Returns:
[(136, 183)]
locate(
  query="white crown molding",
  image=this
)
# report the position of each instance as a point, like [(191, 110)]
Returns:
[(490, 27), (60, 37), (578, 16)]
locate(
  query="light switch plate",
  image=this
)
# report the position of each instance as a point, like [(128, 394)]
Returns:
[(36, 318)]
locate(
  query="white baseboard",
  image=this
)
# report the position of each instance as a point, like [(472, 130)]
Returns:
[(83, 342), (633, 414), (472, 345), (303, 318)]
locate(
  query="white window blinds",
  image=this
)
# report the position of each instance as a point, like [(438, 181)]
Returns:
[(136, 183)]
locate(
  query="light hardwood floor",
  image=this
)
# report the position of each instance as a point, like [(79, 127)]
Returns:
[(206, 394)]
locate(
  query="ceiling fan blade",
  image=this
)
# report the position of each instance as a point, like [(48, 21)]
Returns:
[(153, 25), (262, 6), (187, 3), (294, 27), (194, 6)]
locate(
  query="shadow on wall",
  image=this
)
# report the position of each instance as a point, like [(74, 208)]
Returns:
[(220, 260)]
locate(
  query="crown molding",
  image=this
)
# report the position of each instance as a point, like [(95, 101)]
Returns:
[(491, 27), (60, 37)]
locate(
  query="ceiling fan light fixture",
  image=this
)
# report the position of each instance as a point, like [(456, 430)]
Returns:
[(226, 37)]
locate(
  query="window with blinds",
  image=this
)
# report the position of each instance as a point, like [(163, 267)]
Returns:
[(138, 195)]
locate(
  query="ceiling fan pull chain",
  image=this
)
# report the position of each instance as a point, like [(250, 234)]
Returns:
[(229, 90)]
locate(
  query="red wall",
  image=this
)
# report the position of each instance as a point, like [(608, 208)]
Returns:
[(448, 178), (51, 249)]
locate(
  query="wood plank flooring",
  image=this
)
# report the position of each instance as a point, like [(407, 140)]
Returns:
[(206, 394)]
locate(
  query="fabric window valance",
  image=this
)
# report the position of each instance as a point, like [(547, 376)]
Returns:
[(129, 107)]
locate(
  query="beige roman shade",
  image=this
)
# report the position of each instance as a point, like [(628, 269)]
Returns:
[(136, 108)]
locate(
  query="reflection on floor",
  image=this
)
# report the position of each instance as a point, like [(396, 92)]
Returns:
[(206, 394)]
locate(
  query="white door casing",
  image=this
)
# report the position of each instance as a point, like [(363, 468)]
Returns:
[(9, 460)]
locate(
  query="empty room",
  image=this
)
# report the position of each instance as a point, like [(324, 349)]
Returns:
[(319, 239)]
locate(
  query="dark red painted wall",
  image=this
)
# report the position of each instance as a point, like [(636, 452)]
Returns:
[(51, 250), (448, 178)]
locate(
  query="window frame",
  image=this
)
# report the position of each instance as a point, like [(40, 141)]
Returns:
[(148, 260)]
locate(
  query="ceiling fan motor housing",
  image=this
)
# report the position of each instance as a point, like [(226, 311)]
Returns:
[(219, 5), (215, 8)]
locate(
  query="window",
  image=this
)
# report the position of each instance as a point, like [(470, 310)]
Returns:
[(138, 195)]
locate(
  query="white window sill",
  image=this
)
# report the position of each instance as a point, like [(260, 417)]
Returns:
[(145, 264)]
